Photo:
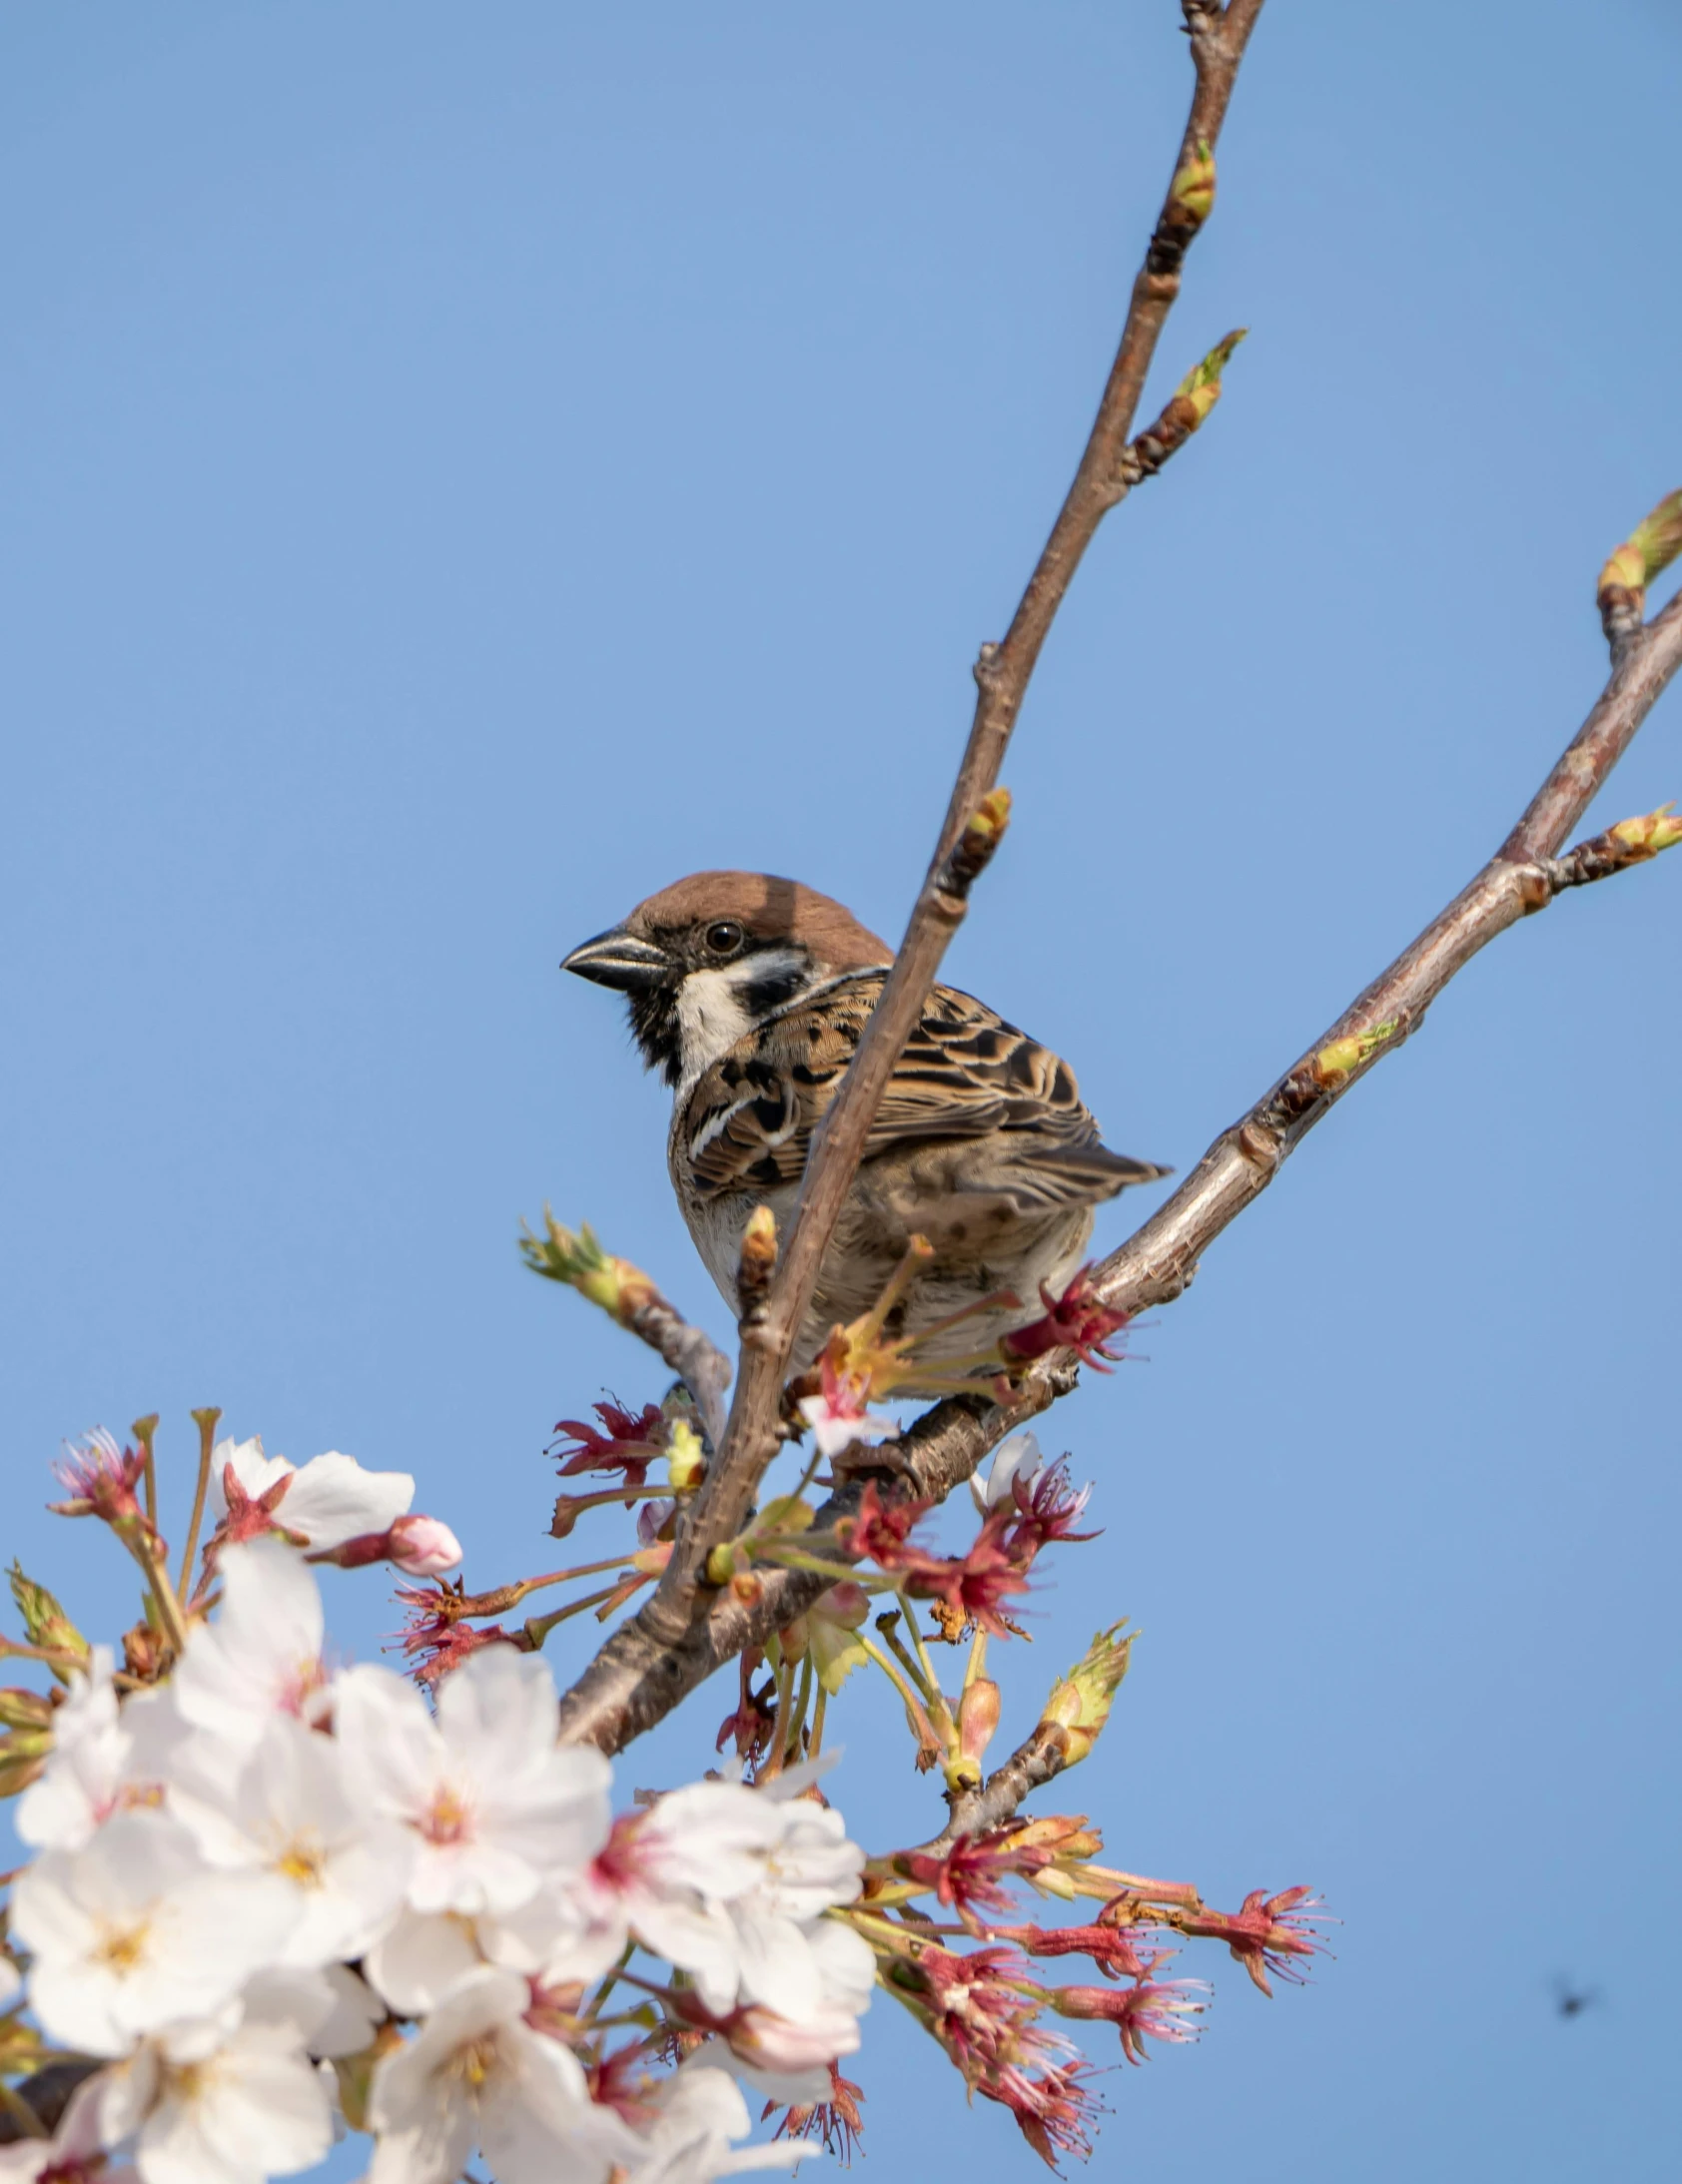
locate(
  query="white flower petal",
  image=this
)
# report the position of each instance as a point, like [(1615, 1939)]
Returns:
[(332, 1499), (1018, 1456), (263, 1654), (421, 1959)]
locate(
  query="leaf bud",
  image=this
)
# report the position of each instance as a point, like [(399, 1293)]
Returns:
[(45, 1623), (1080, 1704)]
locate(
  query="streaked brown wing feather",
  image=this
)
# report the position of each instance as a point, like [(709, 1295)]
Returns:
[(965, 1073)]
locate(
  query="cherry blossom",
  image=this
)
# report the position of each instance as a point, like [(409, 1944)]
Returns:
[(477, 2077), (321, 1504), (493, 1803), (131, 1932), (269, 1899), (208, 2103), (696, 2113), (291, 1812), (263, 1654), (101, 1761)]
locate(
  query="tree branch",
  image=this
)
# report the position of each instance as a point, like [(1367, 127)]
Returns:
[(1156, 1265), (638, 1676), (968, 834)]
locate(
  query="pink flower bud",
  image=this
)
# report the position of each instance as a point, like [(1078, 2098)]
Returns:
[(978, 1716), (419, 1546), (424, 1547)]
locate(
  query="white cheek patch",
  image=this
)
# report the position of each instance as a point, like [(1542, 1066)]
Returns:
[(711, 1009)]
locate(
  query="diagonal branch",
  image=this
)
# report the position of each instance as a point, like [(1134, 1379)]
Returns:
[(1155, 1263), (638, 1677), (968, 834)]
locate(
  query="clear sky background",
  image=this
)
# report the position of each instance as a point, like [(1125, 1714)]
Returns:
[(463, 467)]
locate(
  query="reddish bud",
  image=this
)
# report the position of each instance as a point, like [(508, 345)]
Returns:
[(1077, 1321), (1153, 2010), (1267, 1934)]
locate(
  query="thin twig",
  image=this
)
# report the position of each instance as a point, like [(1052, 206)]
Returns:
[(692, 1354), (751, 1437), (627, 1294), (1039, 1757)]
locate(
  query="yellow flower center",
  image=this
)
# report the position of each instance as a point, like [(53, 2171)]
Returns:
[(303, 1861), (448, 1819), (121, 1948), (475, 2061)]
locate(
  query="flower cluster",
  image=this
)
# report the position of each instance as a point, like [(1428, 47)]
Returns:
[(275, 1898), (271, 1898)]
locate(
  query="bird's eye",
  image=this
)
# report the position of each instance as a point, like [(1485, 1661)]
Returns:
[(724, 938)]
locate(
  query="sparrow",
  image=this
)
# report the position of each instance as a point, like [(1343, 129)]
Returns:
[(749, 994)]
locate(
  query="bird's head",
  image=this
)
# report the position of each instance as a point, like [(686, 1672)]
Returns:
[(707, 959)]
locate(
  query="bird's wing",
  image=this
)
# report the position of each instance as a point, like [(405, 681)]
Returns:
[(964, 1074)]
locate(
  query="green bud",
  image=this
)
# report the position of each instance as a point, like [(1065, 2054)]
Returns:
[(1080, 1704), (46, 1624), (24, 1708)]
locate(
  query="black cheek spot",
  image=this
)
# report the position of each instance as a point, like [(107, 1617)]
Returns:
[(771, 992)]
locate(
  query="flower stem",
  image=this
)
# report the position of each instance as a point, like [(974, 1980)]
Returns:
[(537, 1627), (796, 1558), (814, 1744), (205, 1421), (162, 1592), (922, 1650), (1106, 1880), (611, 1980), (801, 1700), (924, 1682), (144, 1431), (916, 1715), (779, 1726)]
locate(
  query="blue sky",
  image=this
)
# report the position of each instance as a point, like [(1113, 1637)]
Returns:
[(462, 468)]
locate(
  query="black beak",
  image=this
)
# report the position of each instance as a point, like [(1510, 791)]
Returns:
[(619, 960)]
